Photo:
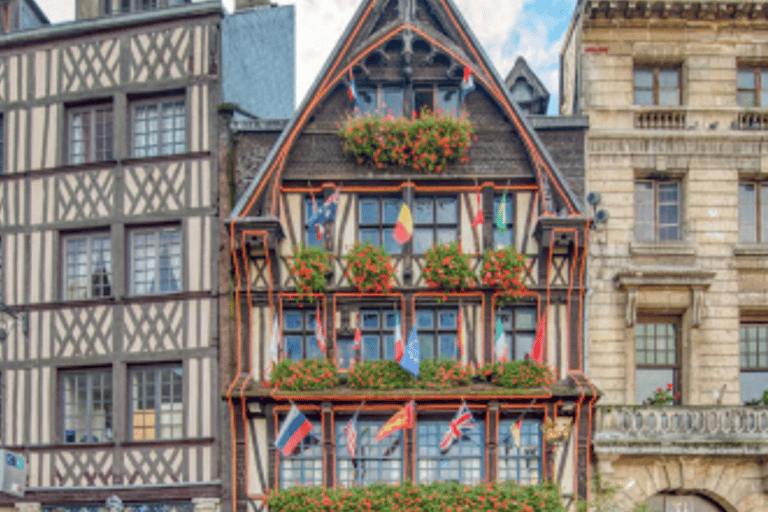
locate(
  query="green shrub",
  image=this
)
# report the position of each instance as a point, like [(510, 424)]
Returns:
[(378, 375), (518, 374), (443, 374), (307, 375)]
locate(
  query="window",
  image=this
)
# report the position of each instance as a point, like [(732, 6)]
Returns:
[(310, 238), (435, 221), (304, 466), (390, 99), (90, 134), (448, 100), (87, 400), (159, 127), (377, 218), (463, 462), (508, 238), (657, 86), (752, 87), (88, 264), (520, 329), (299, 334), (376, 462), (378, 330), (155, 261), (753, 343), (157, 406), (423, 99), (521, 464), (436, 329), (656, 359), (657, 210), (753, 212)]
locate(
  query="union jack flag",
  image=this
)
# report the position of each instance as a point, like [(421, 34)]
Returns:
[(462, 421), (350, 430)]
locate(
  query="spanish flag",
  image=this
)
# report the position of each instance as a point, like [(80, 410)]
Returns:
[(404, 226), (401, 420)]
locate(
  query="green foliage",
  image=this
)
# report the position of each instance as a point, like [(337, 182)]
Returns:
[(443, 374), (378, 375), (369, 268), (447, 268), (603, 499), (518, 374), (760, 402), (435, 497), (307, 375), (502, 269), (309, 268), (426, 143)]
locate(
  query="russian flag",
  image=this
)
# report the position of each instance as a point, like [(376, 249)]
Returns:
[(295, 427)]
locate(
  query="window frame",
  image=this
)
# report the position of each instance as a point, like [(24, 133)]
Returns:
[(760, 353), (759, 208), (307, 333), (409, 95), (341, 455), (161, 103), (756, 91), (310, 236), (437, 331), (512, 333), (496, 239), (158, 384), (655, 87), (430, 451), (91, 111), (89, 237), (675, 367), (434, 225), (317, 459), (657, 205), (380, 226), (157, 230), (530, 430), (89, 374)]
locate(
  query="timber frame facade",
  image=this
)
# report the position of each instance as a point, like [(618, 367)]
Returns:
[(400, 48)]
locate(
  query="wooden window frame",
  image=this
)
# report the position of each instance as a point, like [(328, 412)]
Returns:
[(307, 332), (434, 225), (530, 429), (676, 366), (88, 436), (92, 152), (380, 226), (157, 230), (89, 237), (382, 332), (655, 68), (657, 183), (761, 217), (437, 425), (761, 349), (317, 434), (155, 370), (377, 460), (511, 332), (436, 331), (757, 72), (409, 97), (162, 104)]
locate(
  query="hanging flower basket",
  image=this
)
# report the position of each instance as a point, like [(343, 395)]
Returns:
[(309, 270), (426, 143), (502, 269), (369, 268), (447, 268)]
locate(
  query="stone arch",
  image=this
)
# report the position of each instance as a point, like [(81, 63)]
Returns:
[(690, 501)]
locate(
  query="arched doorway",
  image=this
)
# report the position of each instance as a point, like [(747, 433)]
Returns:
[(682, 502)]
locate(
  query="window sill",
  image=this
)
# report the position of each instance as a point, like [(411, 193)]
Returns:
[(750, 250), (676, 248)]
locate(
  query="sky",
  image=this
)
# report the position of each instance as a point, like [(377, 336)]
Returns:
[(506, 29)]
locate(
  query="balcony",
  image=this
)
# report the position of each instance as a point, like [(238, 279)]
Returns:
[(715, 430), (666, 119), (752, 121)]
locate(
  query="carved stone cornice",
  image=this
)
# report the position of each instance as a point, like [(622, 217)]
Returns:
[(666, 276), (676, 9)]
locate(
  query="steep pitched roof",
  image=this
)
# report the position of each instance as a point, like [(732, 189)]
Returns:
[(374, 23), (539, 94)]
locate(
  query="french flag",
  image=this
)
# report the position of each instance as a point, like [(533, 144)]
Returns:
[(295, 427), (467, 83)]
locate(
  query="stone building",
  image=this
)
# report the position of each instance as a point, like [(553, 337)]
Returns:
[(110, 215), (678, 307)]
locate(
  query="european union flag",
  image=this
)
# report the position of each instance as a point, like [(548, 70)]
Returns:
[(410, 360)]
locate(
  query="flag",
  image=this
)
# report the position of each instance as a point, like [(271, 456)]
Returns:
[(404, 226), (358, 334), (319, 334), (352, 88), (273, 347), (467, 83), (501, 216), (350, 430), (537, 352), (325, 212), (401, 420), (479, 217), (462, 421), (460, 335), (399, 341), (410, 360), (516, 430), (500, 343), (295, 427)]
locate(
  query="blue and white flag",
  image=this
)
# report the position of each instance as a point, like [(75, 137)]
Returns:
[(410, 360)]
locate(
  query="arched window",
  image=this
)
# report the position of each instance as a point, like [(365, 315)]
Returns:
[(667, 502)]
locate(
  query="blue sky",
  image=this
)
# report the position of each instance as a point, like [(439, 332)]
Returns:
[(506, 29)]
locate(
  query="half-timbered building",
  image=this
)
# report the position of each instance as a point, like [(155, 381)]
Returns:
[(399, 57), (109, 235)]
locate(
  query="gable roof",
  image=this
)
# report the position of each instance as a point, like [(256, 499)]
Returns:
[(540, 94), (342, 60)]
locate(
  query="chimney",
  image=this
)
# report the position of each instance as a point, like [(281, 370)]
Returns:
[(241, 5)]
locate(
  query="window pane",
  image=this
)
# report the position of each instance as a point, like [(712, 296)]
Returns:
[(369, 211), (747, 209), (369, 235), (422, 240), (392, 101), (423, 211), (304, 466), (463, 462), (376, 462), (648, 380), (746, 98), (745, 79), (446, 210), (669, 78), (644, 78), (753, 384), (669, 97), (643, 97), (391, 210), (644, 210), (448, 100), (293, 348), (366, 100), (345, 353), (523, 463)]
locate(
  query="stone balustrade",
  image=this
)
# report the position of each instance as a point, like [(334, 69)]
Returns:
[(661, 119)]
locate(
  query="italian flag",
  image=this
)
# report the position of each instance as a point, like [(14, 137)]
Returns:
[(500, 343)]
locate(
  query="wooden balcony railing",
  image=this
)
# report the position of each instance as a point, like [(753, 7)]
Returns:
[(681, 430), (660, 119), (752, 121)]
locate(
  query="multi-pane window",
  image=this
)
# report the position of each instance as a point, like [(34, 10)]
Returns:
[(507, 238), (463, 462), (657, 210), (88, 266), (657, 86), (390, 99), (435, 221), (752, 87), (310, 238), (753, 212), (377, 218), (299, 334), (520, 330), (157, 405), (304, 466), (753, 343), (90, 134), (436, 328), (378, 334), (375, 462), (159, 127), (155, 261), (87, 406), (656, 358), (521, 463)]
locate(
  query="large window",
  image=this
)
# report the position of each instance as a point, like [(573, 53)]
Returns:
[(752, 87), (436, 329), (304, 466), (90, 134), (390, 99), (377, 218), (753, 343), (657, 210), (378, 330), (375, 462), (463, 462), (506, 239), (654, 85), (155, 260), (87, 406), (88, 264), (520, 330), (159, 127), (299, 334), (157, 405), (520, 463), (435, 221), (753, 212), (656, 358)]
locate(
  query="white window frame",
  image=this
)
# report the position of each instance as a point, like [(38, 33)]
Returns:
[(168, 424), (91, 250), (134, 252), (91, 134), (162, 146)]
